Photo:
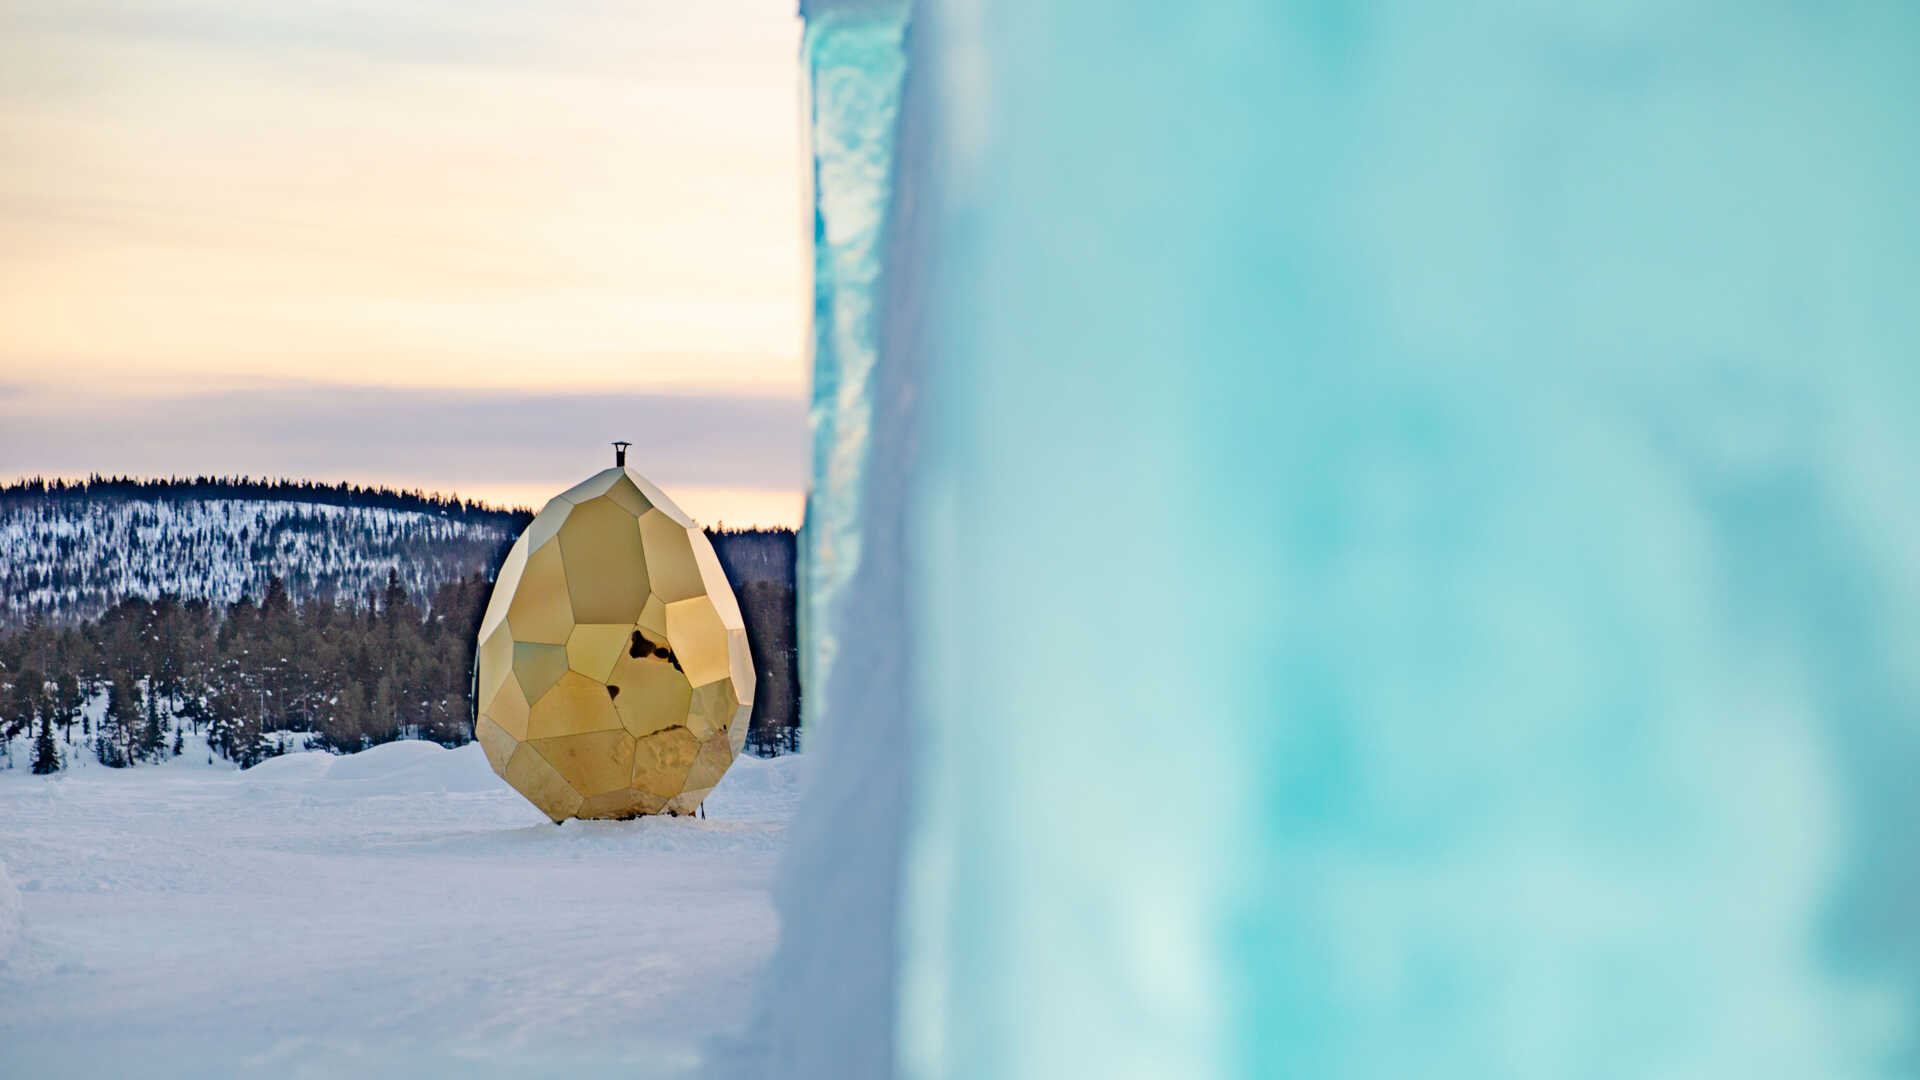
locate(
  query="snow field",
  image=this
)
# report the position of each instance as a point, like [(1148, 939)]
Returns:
[(398, 912)]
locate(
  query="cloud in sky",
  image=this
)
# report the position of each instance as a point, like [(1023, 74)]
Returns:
[(725, 452), (484, 202)]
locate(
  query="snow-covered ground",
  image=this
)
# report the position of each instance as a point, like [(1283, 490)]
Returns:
[(398, 912)]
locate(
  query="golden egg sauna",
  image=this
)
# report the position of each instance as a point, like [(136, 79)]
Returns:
[(613, 677)]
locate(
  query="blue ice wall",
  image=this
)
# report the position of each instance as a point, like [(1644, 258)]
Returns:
[(854, 61), (1414, 554)]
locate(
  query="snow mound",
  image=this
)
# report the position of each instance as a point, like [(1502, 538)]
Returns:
[(306, 765), (768, 776), (398, 767)]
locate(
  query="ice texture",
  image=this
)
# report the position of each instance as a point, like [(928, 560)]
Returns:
[(1414, 541), (825, 1008), (854, 61)]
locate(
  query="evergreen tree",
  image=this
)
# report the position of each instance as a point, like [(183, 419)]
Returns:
[(29, 704), (46, 756), (68, 700), (120, 728), (384, 723), (152, 743)]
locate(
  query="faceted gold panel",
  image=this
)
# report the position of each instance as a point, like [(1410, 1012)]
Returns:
[(495, 661), (575, 705), (661, 761), (659, 499), (606, 565), (737, 733), (538, 667), (503, 587), (712, 710), (675, 574), (710, 763), (723, 599), (613, 675), (592, 487), (650, 693), (532, 776), (623, 492), (699, 640), (688, 801), (593, 647), (539, 611), (653, 619), (499, 745), (596, 763), (546, 525), (509, 708), (624, 803), (740, 664)]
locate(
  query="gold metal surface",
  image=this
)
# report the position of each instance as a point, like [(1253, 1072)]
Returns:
[(661, 761), (699, 640), (499, 745), (613, 672), (508, 708), (596, 763), (538, 667), (574, 706), (539, 610), (670, 562), (653, 694), (608, 582), (544, 787)]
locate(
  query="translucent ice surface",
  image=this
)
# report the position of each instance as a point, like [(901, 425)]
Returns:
[(1416, 541), (826, 1007), (1395, 555), (854, 61)]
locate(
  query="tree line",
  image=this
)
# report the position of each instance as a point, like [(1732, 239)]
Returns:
[(255, 676), (128, 685), (95, 488)]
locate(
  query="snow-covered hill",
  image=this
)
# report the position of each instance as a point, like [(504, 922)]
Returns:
[(71, 559), (396, 912)]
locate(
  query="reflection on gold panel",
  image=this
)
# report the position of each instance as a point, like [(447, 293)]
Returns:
[(670, 562), (592, 487), (715, 580), (710, 762), (532, 776), (546, 524), (508, 708), (503, 587), (712, 709), (576, 704), (497, 744), (698, 639), (495, 661), (606, 566), (594, 763), (538, 667), (624, 803), (650, 693), (661, 761), (592, 648), (623, 492), (653, 618), (609, 612), (740, 665), (539, 610)]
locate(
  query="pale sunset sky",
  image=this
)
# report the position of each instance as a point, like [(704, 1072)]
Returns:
[(456, 245)]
